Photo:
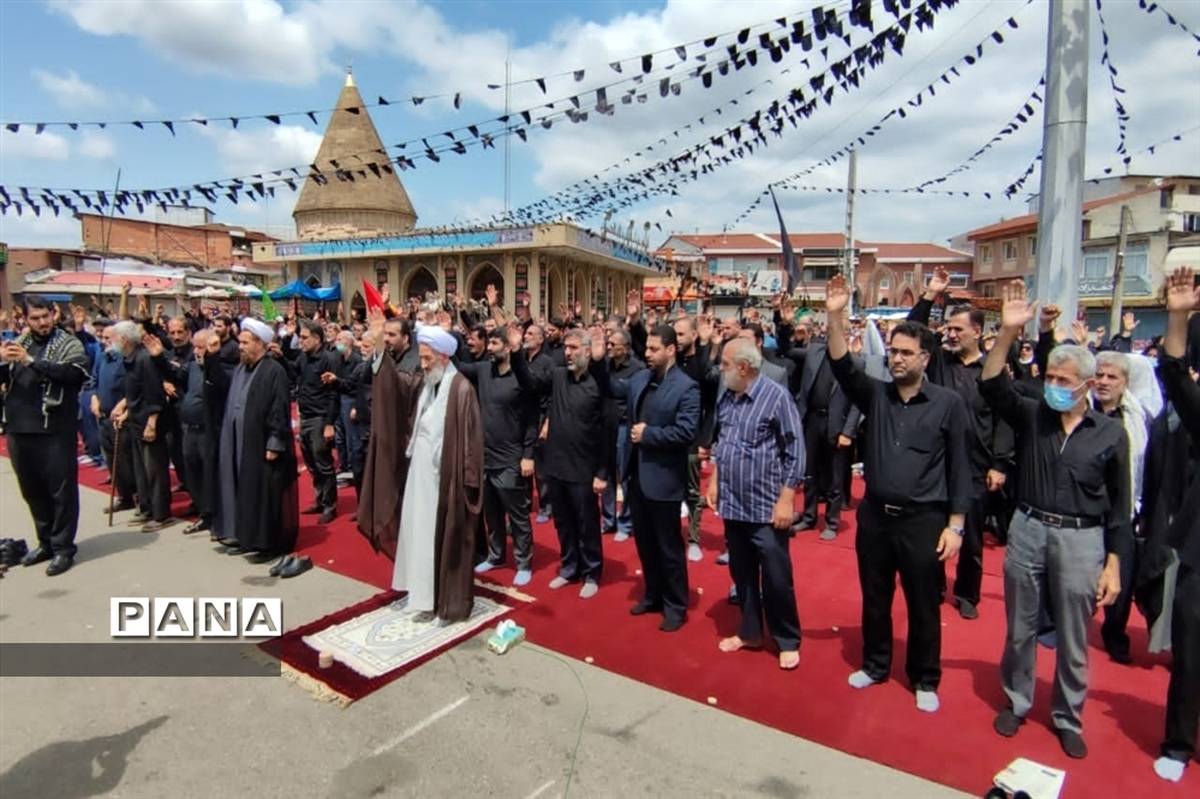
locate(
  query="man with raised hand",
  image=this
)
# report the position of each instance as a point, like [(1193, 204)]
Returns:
[(1073, 517)]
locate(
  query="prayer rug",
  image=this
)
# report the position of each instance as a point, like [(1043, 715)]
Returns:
[(372, 643)]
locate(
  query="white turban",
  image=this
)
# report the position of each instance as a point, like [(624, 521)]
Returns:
[(260, 330), (438, 339)]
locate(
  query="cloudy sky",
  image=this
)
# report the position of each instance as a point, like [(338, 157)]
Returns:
[(170, 59)]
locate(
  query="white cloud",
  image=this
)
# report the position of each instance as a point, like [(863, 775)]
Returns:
[(25, 143), (260, 150), (98, 146), (46, 230), (253, 39), (74, 93)]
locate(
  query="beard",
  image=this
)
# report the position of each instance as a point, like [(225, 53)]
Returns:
[(434, 376)]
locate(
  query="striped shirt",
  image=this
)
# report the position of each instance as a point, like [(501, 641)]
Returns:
[(759, 450)]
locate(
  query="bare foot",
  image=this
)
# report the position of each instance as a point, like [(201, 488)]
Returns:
[(789, 660), (733, 643)]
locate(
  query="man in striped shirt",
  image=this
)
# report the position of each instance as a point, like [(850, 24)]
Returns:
[(758, 460)]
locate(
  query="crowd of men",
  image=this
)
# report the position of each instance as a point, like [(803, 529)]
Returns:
[(455, 420)]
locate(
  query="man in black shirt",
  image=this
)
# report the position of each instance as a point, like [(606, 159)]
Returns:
[(192, 422), (956, 363), (138, 416), (509, 414), (577, 455), (540, 363), (317, 401), (914, 448), (1073, 517), (691, 356), (622, 364), (42, 373)]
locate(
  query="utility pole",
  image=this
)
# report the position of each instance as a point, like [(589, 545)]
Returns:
[(508, 136), (1118, 290), (1060, 208), (848, 244)]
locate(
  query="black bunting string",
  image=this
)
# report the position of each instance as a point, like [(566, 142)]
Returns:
[(454, 97), (948, 75), (486, 140), (1117, 90), (1152, 8), (1025, 113)]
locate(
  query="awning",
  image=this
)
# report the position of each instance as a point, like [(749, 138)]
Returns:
[(298, 289), (1181, 256)]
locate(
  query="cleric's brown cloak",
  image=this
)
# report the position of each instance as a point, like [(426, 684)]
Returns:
[(460, 493)]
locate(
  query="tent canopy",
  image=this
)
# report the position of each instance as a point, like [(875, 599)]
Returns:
[(298, 289)]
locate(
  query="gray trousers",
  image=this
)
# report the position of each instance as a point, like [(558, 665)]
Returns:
[(1065, 565)]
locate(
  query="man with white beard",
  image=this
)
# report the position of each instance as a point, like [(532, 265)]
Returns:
[(425, 427)]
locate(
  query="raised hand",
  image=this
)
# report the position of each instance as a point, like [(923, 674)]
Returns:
[(1049, 316), (837, 295), (1182, 293), (939, 281), (633, 304), (1079, 332), (153, 345), (491, 294), (1129, 323), (516, 339), (375, 320), (1017, 310)]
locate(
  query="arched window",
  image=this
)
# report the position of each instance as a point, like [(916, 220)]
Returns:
[(421, 282), (487, 275)]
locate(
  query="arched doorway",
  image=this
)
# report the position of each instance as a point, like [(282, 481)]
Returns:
[(358, 307), (554, 293), (421, 282), (907, 300), (486, 275)]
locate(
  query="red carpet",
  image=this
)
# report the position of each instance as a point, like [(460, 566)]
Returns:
[(956, 746)]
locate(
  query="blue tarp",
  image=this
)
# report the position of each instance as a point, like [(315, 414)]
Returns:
[(300, 289)]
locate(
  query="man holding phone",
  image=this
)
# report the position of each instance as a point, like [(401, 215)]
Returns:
[(42, 372)]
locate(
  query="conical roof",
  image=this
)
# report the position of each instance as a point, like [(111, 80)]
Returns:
[(352, 141)]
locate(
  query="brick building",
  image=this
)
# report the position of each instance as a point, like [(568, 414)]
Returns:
[(210, 246)]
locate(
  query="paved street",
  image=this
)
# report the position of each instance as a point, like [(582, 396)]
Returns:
[(466, 724)]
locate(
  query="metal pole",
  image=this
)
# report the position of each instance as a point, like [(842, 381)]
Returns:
[(1118, 290), (848, 243), (1060, 210)]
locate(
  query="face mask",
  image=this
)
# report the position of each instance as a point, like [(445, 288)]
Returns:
[(1026, 361), (341, 347), (1059, 398)]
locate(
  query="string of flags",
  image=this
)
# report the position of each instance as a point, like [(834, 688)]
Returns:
[(994, 39), (1025, 113), (256, 187), (1117, 90), (747, 41), (736, 141), (1151, 8)]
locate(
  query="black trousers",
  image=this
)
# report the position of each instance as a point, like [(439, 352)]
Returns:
[(577, 522), (658, 533), (151, 472), (1183, 692), (1116, 615), (762, 571), (904, 544), (195, 452), (825, 471), (318, 458), (48, 475), (174, 429), (968, 578), (358, 462), (506, 499), (126, 485)]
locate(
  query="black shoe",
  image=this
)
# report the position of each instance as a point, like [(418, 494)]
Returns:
[(281, 564), (12, 551), (228, 542), (156, 525), (1072, 743), (670, 625), (121, 505), (967, 609), (1007, 723), (297, 567), (328, 515), (36, 556), (236, 549), (59, 564), (644, 607), (261, 557)]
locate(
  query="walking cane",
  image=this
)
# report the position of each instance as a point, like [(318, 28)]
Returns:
[(112, 488)]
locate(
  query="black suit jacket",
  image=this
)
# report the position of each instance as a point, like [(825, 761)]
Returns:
[(844, 416)]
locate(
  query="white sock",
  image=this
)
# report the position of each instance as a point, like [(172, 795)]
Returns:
[(927, 701), (1169, 768), (860, 679)]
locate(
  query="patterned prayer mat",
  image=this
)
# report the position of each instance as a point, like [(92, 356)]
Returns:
[(373, 643)]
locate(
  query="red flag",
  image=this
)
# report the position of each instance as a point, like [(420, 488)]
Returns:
[(374, 298)]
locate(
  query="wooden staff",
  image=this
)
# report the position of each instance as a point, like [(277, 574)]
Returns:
[(112, 488)]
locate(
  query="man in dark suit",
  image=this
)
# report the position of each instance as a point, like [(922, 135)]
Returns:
[(663, 405)]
